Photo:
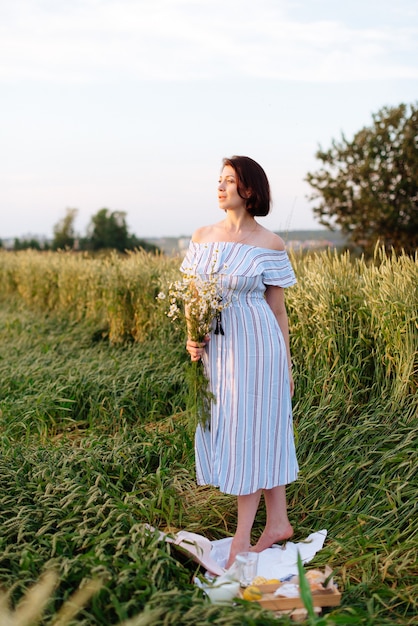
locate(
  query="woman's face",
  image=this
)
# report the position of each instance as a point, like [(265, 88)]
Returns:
[(228, 197)]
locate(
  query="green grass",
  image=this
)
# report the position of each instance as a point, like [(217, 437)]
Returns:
[(95, 442), (63, 378)]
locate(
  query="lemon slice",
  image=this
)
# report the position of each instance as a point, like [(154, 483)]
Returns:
[(252, 593)]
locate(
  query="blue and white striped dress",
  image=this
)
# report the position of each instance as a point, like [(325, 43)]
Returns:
[(250, 443)]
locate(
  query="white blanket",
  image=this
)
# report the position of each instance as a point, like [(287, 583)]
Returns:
[(279, 561)]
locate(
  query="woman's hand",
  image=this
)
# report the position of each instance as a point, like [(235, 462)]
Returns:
[(196, 348)]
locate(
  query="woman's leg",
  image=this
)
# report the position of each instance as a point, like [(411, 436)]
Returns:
[(247, 509), (278, 527)]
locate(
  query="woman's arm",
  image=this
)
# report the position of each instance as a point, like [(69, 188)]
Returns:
[(275, 300)]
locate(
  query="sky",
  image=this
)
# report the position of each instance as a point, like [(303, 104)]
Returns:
[(131, 105)]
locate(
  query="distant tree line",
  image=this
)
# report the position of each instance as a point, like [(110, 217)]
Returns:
[(107, 231), (33, 244)]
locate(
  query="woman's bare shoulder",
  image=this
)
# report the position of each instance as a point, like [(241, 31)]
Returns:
[(268, 239), (204, 233)]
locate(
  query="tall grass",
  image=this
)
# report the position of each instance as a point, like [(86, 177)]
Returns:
[(354, 328), (346, 314), (94, 439), (115, 293)]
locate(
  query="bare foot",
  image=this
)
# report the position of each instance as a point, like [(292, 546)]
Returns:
[(237, 546), (268, 538)]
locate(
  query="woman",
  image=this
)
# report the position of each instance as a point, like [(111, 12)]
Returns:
[(248, 448)]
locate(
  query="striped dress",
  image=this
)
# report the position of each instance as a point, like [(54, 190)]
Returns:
[(249, 444)]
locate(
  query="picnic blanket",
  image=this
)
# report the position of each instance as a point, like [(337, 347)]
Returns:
[(279, 561)]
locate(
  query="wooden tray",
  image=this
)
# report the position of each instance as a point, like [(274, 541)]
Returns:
[(330, 596)]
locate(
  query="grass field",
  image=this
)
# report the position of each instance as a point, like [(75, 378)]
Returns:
[(95, 441)]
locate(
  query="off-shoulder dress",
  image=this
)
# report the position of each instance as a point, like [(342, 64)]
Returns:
[(249, 444)]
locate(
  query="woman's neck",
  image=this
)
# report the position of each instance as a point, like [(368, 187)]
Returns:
[(235, 224), (238, 229)]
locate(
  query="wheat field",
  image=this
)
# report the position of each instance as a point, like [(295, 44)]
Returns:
[(95, 441)]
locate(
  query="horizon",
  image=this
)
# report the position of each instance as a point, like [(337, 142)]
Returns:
[(42, 237)]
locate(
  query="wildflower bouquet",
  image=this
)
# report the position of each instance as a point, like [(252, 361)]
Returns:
[(196, 301)]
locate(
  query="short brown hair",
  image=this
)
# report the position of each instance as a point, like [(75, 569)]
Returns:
[(252, 179)]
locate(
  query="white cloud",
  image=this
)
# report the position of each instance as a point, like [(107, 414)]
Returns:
[(101, 40)]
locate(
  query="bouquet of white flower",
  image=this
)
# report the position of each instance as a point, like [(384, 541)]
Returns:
[(196, 301)]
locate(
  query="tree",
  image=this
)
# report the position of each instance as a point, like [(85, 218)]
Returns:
[(64, 233), (369, 186), (108, 230)]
